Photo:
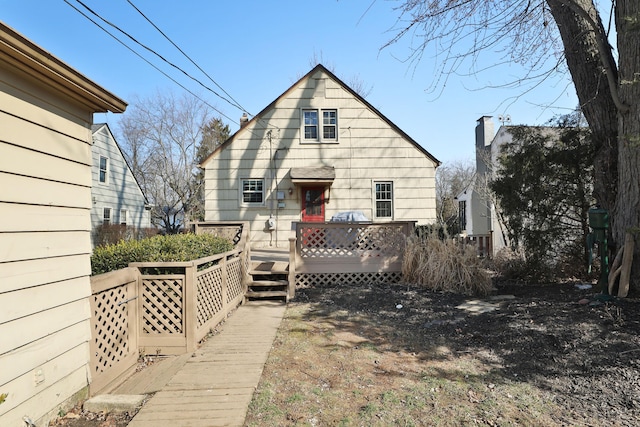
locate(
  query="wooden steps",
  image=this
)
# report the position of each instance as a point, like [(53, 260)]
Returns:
[(269, 280)]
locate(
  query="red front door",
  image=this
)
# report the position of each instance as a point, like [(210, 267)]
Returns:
[(312, 204)]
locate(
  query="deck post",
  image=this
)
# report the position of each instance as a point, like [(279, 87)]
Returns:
[(189, 306), (225, 282), (292, 267)]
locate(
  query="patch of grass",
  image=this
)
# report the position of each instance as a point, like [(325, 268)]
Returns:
[(296, 397), (263, 407), (376, 383), (368, 410)]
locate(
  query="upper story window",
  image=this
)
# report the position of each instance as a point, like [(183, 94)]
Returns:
[(103, 169), (319, 125), (384, 200), (252, 192)]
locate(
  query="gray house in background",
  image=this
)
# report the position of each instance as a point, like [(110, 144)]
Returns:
[(116, 196), (477, 212)]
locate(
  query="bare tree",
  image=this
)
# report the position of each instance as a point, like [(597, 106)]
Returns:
[(451, 180), (544, 35), (160, 136), (354, 81)]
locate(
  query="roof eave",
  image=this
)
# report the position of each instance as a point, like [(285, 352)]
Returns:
[(29, 58)]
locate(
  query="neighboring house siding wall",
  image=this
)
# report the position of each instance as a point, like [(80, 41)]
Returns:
[(45, 196), (367, 150), (121, 190)]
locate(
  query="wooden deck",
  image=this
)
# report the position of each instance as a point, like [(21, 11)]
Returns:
[(214, 385)]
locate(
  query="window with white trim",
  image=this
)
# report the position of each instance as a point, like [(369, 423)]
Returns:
[(123, 217), (103, 169), (384, 199), (252, 192), (320, 125), (106, 216)]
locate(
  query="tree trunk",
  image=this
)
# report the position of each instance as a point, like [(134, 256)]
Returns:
[(586, 62), (627, 209)]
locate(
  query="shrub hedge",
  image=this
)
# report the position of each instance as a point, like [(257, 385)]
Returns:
[(169, 248)]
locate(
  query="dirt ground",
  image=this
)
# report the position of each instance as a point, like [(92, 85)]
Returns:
[(397, 355)]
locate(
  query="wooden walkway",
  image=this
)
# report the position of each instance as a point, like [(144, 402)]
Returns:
[(214, 385)]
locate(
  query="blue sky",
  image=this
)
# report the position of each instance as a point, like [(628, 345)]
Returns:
[(255, 50)]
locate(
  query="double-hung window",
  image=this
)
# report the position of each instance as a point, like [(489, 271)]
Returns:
[(319, 125), (103, 169), (252, 192), (123, 217), (106, 216), (384, 199), (310, 124)]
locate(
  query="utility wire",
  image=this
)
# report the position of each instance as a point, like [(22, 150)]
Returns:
[(234, 104), (237, 104), (151, 64)]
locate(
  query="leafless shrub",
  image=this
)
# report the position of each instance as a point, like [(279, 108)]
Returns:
[(444, 265), (110, 234)]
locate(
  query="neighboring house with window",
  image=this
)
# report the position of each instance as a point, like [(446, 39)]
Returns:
[(46, 111), (476, 211), (116, 196), (318, 149)]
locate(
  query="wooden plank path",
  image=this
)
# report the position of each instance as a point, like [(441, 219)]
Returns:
[(215, 385)]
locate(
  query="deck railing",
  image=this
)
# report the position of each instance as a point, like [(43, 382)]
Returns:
[(114, 326), (482, 242), (348, 253), (162, 307)]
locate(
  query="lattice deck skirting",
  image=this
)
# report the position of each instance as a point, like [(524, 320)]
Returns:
[(347, 279), (111, 328)]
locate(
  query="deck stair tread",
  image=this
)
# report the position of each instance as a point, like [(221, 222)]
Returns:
[(269, 267), (269, 279), (266, 294), (269, 283)]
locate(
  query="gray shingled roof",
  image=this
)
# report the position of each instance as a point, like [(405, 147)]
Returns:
[(322, 173)]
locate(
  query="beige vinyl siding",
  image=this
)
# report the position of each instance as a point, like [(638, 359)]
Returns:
[(368, 149), (45, 201), (29, 273)]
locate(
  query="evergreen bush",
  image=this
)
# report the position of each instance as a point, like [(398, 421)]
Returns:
[(169, 248)]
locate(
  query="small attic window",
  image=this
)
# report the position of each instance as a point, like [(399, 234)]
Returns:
[(319, 125)]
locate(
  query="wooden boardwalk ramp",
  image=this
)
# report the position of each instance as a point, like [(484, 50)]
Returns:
[(214, 386)]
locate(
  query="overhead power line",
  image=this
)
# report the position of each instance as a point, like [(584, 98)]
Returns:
[(237, 104), (149, 62), (234, 104)]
